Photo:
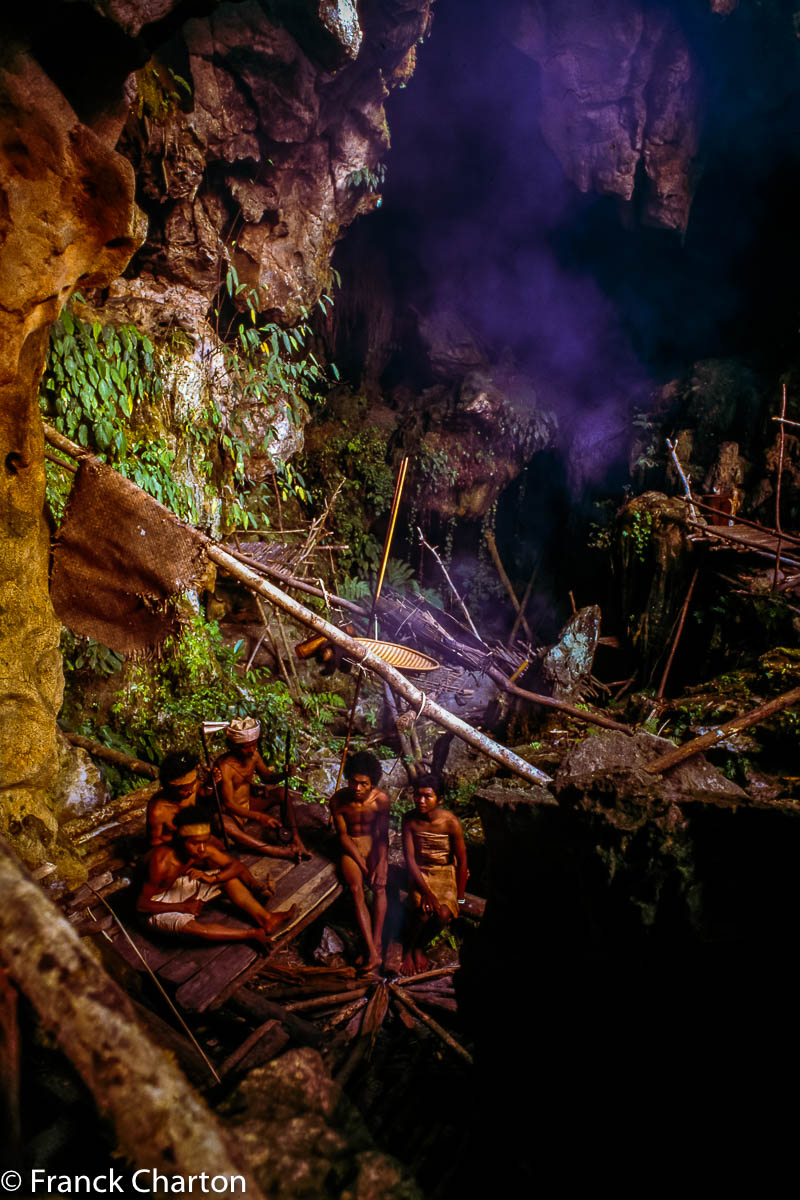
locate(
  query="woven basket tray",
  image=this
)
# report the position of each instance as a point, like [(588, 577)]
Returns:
[(400, 656)]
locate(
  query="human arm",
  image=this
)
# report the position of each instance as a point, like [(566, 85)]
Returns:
[(233, 806), (270, 774), (381, 840), (159, 822), (460, 853), (162, 872), (225, 867)]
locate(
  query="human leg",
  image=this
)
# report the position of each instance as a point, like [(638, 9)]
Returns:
[(354, 880), (239, 895)]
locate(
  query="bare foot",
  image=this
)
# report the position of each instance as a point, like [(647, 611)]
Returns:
[(420, 961), (261, 937), (407, 965), (281, 852), (279, 920)]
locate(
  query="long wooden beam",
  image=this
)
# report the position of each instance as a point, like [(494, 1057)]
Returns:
[(370, 660), (136, 765), (720, 732)]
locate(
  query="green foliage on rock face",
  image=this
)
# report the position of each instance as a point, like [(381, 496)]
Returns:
[(264, 358), (99, 386), (360, 462), (369, 180), (160, 706), (102, 387)]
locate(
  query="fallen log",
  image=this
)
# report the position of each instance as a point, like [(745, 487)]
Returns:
[(159, 1120), (371, 1022), (588, 716), (326, 1001), (97, 750), (434, 973), (736, 725), (264, 1043), (344, 1014), (253, 1004), (369, 659), (403, 998), (432, 999)]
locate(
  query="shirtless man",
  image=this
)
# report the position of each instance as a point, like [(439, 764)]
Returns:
[(245, 800), (184, 876), (361, 820), (436, 856), (180, 781)]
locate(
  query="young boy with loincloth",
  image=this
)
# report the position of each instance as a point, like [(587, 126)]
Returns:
[(180, 781), (184, 876), (436, 856), (361, 819), (245, 800)]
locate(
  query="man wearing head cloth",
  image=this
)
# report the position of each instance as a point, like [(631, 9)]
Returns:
[(245, 800), (185, 875)]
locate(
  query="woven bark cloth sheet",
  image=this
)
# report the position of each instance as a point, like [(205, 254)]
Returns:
[(118, 558)]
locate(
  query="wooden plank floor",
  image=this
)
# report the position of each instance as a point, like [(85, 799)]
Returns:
[(203, 971)]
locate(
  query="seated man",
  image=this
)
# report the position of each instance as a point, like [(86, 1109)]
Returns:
[(180, 781), (245, 800), (184, 876), (361, 820), (436, 857)]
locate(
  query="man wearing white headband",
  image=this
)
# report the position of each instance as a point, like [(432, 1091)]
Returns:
[(245, 800), (184, 876)]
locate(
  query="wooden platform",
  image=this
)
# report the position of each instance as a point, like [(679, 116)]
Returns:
[(742, 537), (201, 974)]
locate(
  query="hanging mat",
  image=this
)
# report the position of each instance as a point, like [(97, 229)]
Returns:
[(118, 560)]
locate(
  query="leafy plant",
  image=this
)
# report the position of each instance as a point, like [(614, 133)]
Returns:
[(371, 180), (85, 654), (161, 705), (639, 532), (98, 387)]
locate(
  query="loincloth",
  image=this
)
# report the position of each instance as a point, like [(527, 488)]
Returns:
[(179, 892), (369, 851), (442, 882), (433, 854)]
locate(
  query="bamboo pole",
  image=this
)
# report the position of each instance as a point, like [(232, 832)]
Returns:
[(387, 545), (372, 662), (707, 740), (677, 638), (507, 584)]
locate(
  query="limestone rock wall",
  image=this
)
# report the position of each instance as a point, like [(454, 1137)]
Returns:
[(621, 99), (66, 214)]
